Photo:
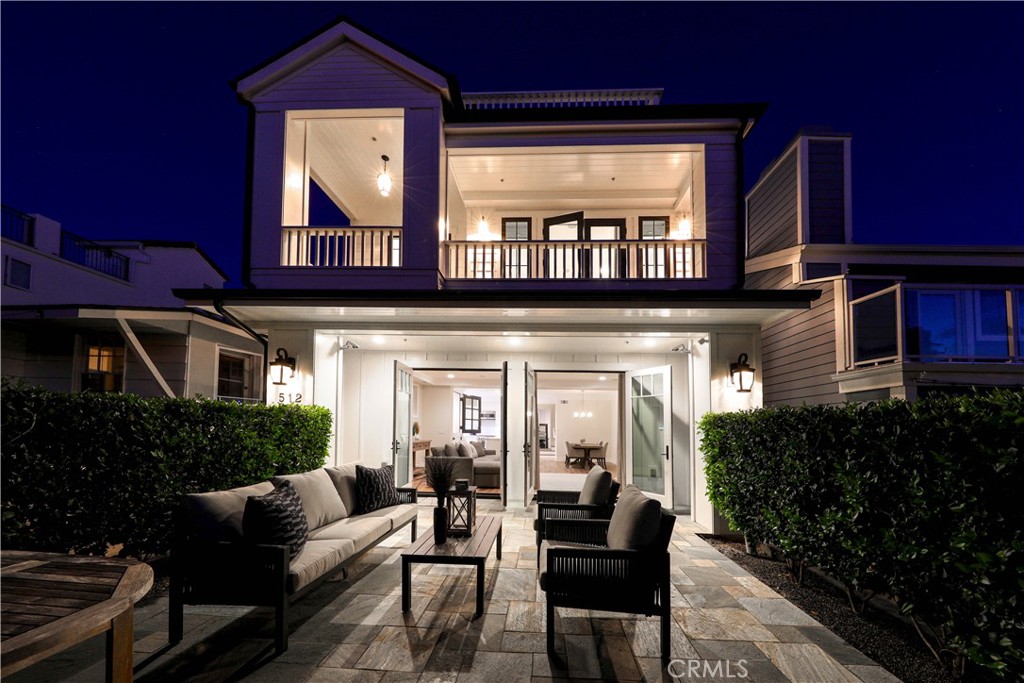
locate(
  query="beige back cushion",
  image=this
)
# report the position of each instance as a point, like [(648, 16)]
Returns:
[(320, 499), (596, 487), (344, 479), (217, 516)]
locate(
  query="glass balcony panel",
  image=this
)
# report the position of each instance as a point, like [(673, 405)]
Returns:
[(875, 329)]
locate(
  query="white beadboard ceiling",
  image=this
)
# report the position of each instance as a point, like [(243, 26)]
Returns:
[(344, 157), (590, 381)]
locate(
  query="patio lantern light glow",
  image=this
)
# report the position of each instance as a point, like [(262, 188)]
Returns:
[(741, 374), (279, 364), (384, 178)]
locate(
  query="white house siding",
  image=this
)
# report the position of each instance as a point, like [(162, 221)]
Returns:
[(169, 352), (204, 343), (772, 208), (41, 358), (722, 216)]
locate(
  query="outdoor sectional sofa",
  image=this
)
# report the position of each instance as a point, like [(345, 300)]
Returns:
[(212, 562), (481, 466)]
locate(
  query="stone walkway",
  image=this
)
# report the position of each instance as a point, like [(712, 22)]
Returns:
[(727, 626)]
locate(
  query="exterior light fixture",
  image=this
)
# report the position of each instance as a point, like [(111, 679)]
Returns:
[(741, 374), (279, 364), (384, 179)]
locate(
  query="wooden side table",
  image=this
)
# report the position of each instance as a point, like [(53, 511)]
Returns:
[(461, 511)]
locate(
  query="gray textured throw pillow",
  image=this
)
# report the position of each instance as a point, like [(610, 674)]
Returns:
[(596, 487), (276, 518), (635, 521), (375, 488)]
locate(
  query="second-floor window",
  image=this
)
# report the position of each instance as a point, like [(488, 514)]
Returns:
[(517, 259)]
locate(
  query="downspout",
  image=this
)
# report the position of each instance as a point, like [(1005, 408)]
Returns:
[(219, 306)]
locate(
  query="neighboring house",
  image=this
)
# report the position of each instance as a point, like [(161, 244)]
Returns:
[(892, 320), (100, 316), (507, 235)]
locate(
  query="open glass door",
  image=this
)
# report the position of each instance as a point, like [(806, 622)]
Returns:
[(649, 431), (401, 442), (531, 448)]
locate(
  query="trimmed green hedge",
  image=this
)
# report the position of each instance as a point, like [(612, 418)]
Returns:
[(921, 501), (83, 472)]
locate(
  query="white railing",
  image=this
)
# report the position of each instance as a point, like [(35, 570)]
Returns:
[(599, 260), (341, 247), (548, 99)]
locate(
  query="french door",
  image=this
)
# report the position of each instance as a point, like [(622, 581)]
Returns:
[(531, 447), (401, 440), (649, 431)]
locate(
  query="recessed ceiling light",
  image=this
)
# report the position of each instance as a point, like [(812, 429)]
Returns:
[(602, 378), (451, 375), (377, 339)]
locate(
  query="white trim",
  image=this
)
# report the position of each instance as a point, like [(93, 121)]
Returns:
[(803, 195), (140, 353), (848, 191)]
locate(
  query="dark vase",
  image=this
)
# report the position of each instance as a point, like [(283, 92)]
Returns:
[(440, 525)]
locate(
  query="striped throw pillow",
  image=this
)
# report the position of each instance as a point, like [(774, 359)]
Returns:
[(276, 518)]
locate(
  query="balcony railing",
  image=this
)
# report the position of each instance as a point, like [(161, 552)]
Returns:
[(574, 260), (91, 255), (18, 226), (937, 324), (341, 247)]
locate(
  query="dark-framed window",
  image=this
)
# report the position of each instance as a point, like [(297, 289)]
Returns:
[(102, 363), (515, 229), (653, 227), (565, 227), (604, 229), (470, 408)]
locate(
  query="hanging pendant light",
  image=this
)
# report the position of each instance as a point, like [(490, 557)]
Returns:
[(384, 178)]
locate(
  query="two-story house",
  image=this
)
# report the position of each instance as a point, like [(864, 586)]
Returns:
[(399, 229), (81, 315)]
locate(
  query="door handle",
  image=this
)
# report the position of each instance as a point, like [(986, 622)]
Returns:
[(666, 452)]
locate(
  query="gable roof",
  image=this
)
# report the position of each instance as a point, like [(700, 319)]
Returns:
[(326, 39)]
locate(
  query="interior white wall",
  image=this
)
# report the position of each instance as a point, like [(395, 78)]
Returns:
[(435, 414), (603, 426)]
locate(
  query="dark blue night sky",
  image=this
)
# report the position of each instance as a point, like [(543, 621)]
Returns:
[(119, 120)]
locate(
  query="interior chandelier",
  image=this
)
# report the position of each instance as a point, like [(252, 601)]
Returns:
[(583, 413), (384, 178)]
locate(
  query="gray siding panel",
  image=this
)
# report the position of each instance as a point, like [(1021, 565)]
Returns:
[(826, 171), (798, 354), (349, 76), (772, 210), (723, 220), (773, 278)]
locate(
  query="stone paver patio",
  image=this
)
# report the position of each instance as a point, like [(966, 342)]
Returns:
[(727, 626)]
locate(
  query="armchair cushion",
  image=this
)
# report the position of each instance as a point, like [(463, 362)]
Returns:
[(596, 487), (635, 522), (375, 488), (276, 518)]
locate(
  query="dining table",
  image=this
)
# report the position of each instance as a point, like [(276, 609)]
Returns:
[(587, 447), (50, 601)]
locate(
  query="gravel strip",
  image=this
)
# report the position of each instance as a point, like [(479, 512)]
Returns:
[(891, 644)]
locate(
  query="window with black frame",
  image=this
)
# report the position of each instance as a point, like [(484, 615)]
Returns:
[(653, 259), (517, 259), (470, 408)]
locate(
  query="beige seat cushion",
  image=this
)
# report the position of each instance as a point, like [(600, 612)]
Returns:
[(362, 530), (398, 514), (217, 516), (320, 499), (315, 559)]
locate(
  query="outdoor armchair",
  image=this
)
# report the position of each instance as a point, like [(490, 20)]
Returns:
[(595, 501), (579, 568)]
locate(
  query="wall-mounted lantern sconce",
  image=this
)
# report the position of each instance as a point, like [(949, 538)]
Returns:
[(278, 365), (384, 178), (741, 374)]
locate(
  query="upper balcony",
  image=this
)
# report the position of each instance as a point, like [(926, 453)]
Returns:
[(910, 323), (508, 216)]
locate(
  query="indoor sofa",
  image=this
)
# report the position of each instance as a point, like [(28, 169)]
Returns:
[(213, 561), (481, 466)]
